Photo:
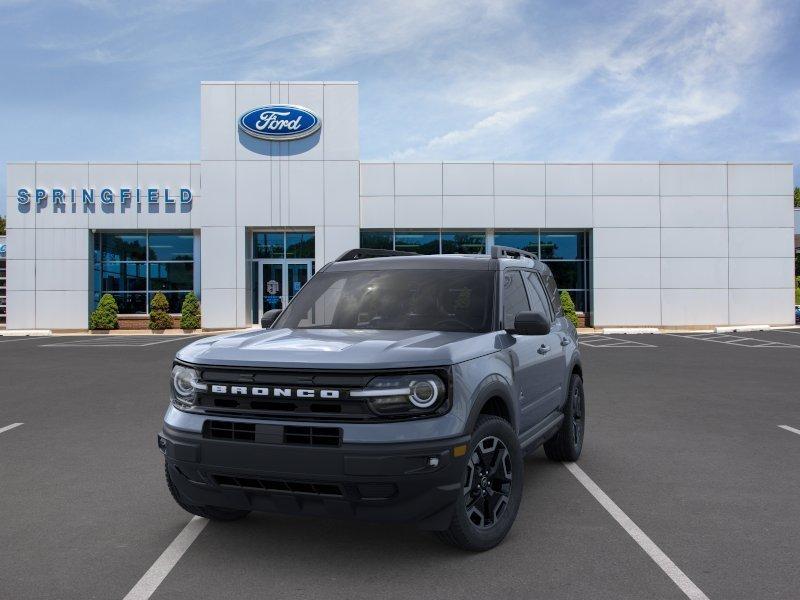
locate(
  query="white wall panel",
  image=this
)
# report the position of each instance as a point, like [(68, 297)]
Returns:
[(626, 211), (253, 193), (761, 307), (694, 211), (218, 205), (341, 193), (219, 308), (761, 211), (64, 176), (63, 244), (468, 211), (377, 212), (62, 309), (568, 211), (115, 176), (694, 180), (468, 179), (57, 275), (377, 179), (341, 122), (21, 274), (568, 180), (310, 97), (19, 175), (418, 211), (626, 242), (694, 307), (218, 116), (164, 175), (694, 242), (517, 211), (418, 179), (754, 242), (625, 180), (694, 273), (519, 179), (339, 240), (21, 243), (306, 193), (248, 97), (627, 307), (20, 308), (218, 257), (611, 273), (758, 180), (762, 273)]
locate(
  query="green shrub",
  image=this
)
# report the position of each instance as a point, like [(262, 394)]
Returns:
[(105, 315), (569, 307), (190, 312), (159, 313)]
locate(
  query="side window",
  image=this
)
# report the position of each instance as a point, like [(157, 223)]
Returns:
[(515, 299), (552, 291), (539, 302)]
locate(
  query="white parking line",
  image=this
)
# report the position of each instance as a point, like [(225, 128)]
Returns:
[(605, 341), (640, 537), (150, 581), (105, 343), (9, 427), (3, 340), (733, 340), (792, 429)]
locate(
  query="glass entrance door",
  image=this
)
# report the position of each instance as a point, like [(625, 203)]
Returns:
[(279, 281)]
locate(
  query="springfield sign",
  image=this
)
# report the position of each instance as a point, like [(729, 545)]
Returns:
[(105, 196)]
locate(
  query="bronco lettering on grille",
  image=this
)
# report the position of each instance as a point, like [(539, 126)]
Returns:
[(275, 392)]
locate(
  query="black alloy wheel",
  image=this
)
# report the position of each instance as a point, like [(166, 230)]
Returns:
[(487, 482)]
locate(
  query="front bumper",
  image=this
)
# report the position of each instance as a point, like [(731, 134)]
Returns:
[(394, 482)]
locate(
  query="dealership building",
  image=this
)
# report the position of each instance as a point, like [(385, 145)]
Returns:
[(280, 190)]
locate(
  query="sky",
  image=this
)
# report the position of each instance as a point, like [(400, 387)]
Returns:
[(97, 80)]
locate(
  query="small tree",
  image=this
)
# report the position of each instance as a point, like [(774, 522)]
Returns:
[(159, 313), (190, 312), (569, 307), (105, 315)]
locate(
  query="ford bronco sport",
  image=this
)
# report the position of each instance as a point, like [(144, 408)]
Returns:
[(391, 388)]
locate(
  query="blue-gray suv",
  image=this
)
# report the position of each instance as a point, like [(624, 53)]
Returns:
[(393, 387)]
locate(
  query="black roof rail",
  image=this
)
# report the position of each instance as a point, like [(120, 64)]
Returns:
[(509, 252), (360, 253)]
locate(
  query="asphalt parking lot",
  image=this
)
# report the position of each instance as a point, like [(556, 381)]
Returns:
[(684, 436)]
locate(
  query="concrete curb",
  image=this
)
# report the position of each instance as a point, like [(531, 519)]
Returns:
[(25, 333), (741, 328), (629, 330)]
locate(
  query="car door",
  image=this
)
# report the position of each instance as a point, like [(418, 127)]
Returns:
[(529, 363), (555, 358)]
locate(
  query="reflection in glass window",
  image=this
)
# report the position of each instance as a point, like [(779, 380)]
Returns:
[(522, 240), (463, 242), (377, 239), (568, 274), (171, 276), (120, 277), (421, 242), (170, 246), (561, 245), (120, 247), (268, 244), (127, 304), (299, 244), (175, 300)]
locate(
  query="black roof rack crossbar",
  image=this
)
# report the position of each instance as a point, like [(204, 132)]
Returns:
[(509, 252), (360, 253)]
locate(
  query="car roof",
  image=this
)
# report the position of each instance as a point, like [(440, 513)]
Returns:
[(473, 262)]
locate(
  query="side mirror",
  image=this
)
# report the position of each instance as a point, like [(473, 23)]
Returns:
[(268, 318), (531, 323)]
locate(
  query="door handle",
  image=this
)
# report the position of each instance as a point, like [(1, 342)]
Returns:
[(543, 349), (565, 341)]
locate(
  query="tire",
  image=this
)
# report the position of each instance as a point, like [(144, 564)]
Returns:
[(214, 513), (567, 443), (484, 514)]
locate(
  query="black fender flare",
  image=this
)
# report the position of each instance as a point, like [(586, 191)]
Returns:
[(493, 386)]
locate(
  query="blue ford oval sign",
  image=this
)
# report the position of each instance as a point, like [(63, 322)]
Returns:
[(279, 122)]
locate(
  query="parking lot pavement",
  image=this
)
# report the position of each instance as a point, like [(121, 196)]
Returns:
[(685, 438)]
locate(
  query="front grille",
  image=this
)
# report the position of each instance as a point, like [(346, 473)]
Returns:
[(231, 430), (312, 436), (251, 484)]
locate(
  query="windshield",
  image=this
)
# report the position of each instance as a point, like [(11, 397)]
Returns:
[(435, 300)]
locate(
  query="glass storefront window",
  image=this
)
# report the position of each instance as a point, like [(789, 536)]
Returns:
[(463, 242), (379, 240), (299, 244), (522, 240), (170, 246), (132, 266), (568, 274), (421, 242), (562, 245), (268, 244)]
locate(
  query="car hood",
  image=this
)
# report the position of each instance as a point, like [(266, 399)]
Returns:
[(339, 348)]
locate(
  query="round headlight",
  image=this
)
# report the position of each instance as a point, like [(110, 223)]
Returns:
[(184, 383), (423, 393)]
